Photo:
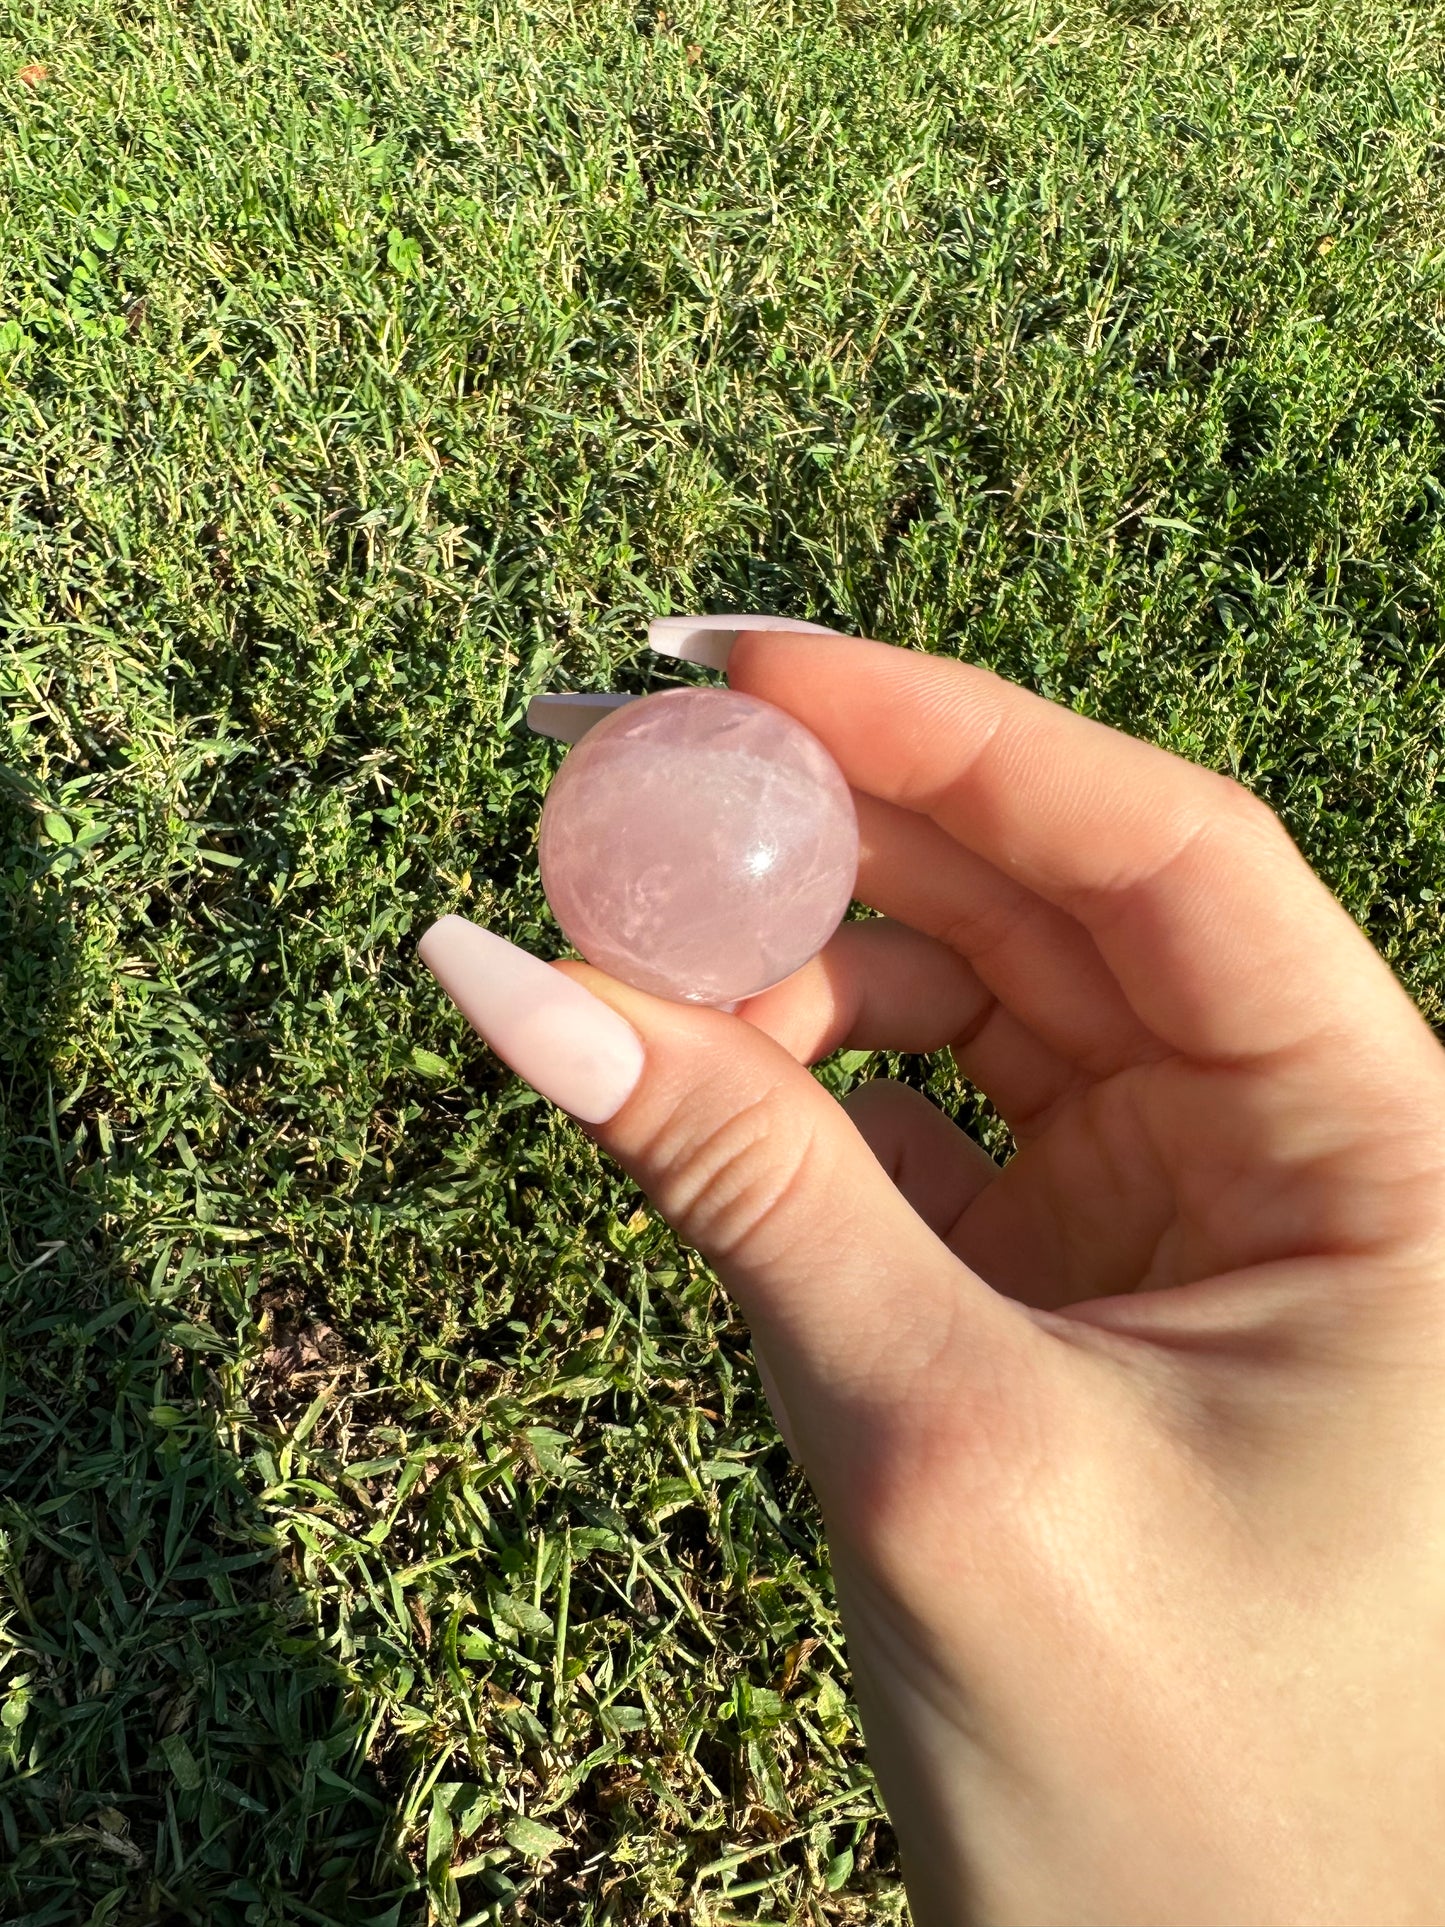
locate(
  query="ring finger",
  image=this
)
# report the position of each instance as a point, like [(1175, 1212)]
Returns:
[(880, 985)]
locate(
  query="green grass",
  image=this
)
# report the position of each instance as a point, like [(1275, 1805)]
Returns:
[(393, 1527)]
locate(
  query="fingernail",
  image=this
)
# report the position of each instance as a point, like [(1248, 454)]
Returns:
[(562, 1040), (569, 717), (709, 639)]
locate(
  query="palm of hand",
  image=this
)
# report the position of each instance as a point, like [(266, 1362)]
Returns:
[(1228, 1198), (1200, 1216)]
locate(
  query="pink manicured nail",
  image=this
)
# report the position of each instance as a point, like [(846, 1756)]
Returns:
[(709, 639), (569, 717), (565, 1042)]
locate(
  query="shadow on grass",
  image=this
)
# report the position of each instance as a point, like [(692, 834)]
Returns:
[(174, 1746)]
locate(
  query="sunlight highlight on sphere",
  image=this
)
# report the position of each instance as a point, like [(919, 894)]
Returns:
[(699, 844)]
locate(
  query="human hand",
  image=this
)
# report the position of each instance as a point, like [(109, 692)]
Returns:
[(1129, 1451)]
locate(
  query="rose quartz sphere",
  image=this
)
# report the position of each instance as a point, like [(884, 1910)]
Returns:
[(699, 844)]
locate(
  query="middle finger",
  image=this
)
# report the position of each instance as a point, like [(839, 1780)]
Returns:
[(1038, 961), (880, 985)]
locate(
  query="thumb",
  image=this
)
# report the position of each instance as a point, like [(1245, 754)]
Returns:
[(853, 1298)]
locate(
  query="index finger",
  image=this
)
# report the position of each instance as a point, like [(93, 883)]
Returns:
[(1221, 937)]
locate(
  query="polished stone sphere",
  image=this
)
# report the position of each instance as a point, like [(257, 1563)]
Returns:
[(699, 844)]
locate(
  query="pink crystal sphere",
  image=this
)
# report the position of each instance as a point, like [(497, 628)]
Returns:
[(699, 844)]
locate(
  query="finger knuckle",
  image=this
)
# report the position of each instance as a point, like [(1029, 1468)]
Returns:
[(733, 1184)]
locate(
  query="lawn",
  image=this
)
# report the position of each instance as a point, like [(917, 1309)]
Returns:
[(393, 1528)]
